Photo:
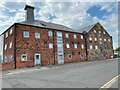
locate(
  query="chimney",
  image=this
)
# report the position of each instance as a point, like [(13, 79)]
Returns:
[(29, 13)]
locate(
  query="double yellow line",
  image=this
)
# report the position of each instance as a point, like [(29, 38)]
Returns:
[(109, 82)]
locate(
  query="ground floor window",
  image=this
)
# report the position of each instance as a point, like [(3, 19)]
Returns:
[(69, 56), (24, 57), (81, 55)]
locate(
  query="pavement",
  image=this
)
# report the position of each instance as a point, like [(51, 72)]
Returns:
[(89, 74)]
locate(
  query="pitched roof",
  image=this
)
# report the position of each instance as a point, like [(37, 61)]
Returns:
[(88, 28), (50, 25)]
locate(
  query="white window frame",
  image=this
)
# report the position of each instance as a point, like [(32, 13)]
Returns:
[(100, 39), (67, 35), (90, 38), (109, 40), (69, 55), (6, 35), (37, 35), (81, 36), (82, 46), (96, 46), (99, 32), (67, 45), (50, 45), (24, 34), (91, 46), (75, 45), (5, 46), (75, 36), (50, 33), (94, 31), (22, 57), (105, 40), (10, 46), (10, 58), (11, 30), (95, 39), (104, 32)]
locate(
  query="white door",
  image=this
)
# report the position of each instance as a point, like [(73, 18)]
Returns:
[(37, 59)]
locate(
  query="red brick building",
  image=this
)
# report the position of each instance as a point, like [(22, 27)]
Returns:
[(34, 42)]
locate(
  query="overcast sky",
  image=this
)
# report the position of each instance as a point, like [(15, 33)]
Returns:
[(75, 15)]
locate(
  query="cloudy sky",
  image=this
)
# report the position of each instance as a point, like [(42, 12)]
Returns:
[(75, 15)]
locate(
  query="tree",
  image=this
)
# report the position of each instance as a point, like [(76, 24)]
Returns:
[(117, 49)]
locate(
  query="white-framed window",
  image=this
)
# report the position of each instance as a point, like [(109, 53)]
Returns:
[(59, 34), (37, 35), (90, 38), (94, 31), (26, 34), (82, 46), (5, 46), (81, 55), (11, 30), (6, 34), (105, 39), (50, 45), (10, 46), (96, 47), (99, 31), (91, 47), (75, 45), (67, 45), (69, 56), (81, 36), (5, 59), (24, 57), (100, 39), (75, 36), (109, 40), (60, 45), (67, 35), (95, 39), (10, 58), (50, 33), (104, 32)]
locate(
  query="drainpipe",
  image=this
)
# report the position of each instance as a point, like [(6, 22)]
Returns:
[(54, 45), (86, 35)]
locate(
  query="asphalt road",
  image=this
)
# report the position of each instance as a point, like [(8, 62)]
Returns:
[(90, 74)]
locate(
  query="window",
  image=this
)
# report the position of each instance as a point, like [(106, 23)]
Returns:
[(105, 40), (96, 47), (99, 31), (5, 46), (69, 56), (75, 36), (90, 38), (5, 59), (10, 45), (81, 55), (50, 34), (24, 57), (82, 46), (81, 36), (95, 39), (104, 32), (11, 30), (91, 47), (67, 35), (50, 45), (37, 35), (26, 34), (75, 45), (109, 40), (59, 34), (100, 39), (67, 46), (6, 34), (94, 31), (60, 45), (10, 58)]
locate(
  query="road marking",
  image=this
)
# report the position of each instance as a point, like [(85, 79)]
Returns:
[(24, 71), (109, 83)]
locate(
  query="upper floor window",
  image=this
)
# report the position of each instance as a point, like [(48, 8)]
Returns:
[(67, 35), (67, 45), (37, 35), (5, 46), (94, 31), (100, 39), (104, 39), (75, 45), (95, 39), (104, 32), (81, 36), (50, 33), (10, 45), (11, 30), (91, 46), (82, 46), (109, 40), (6, 34), (99, 31), (75, 36), (26, 34), (24, 57), (50, 45), (96, 47), (90, 38)]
